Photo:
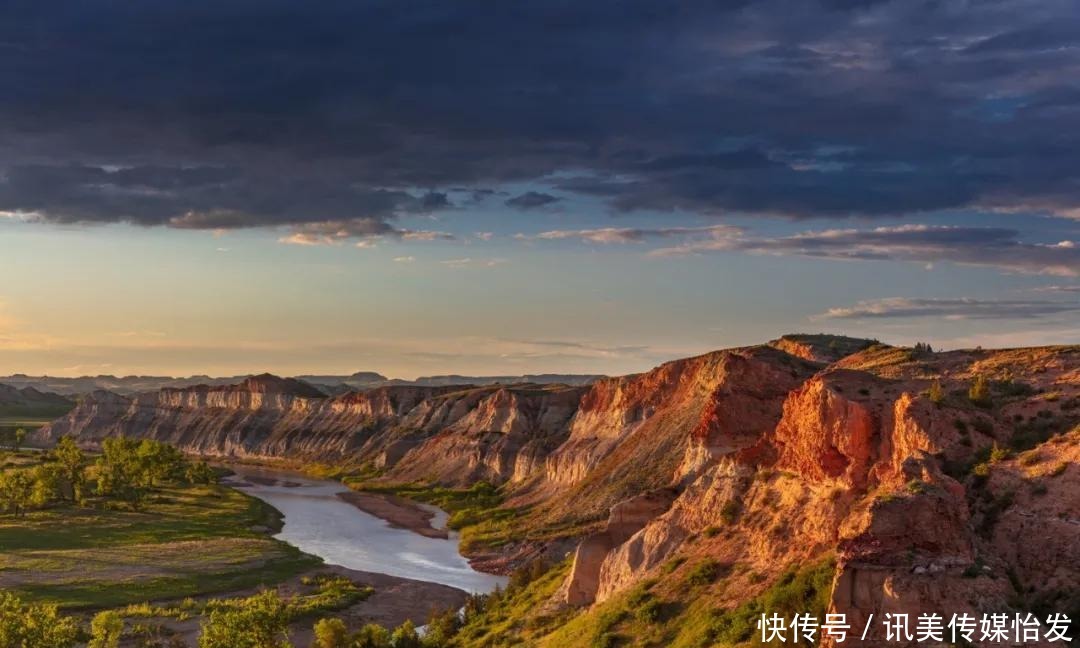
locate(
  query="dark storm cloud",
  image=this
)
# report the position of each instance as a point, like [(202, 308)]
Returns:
[(197, 198), (532, 200), (237, 113)]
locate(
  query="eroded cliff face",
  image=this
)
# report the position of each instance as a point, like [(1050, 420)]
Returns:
[(495, 434), (450, 434), (663, 427), (263, 417), (754, 458), (855, 468)]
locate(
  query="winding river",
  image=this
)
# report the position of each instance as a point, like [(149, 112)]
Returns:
[(320, 523)]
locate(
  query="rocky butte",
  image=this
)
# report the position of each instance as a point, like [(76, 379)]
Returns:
[(709, 481)]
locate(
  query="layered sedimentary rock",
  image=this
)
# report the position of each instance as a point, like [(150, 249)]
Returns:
[(449, 434), (757, 459), (660, 428), (261, 417), (494, 434), (854, 468)]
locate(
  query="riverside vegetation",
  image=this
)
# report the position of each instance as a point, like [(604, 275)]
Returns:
[(88, 540)]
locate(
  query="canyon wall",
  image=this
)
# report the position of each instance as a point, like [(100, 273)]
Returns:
[(756, 458)]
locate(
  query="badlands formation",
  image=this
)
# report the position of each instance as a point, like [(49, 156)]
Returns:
[(941, 482)]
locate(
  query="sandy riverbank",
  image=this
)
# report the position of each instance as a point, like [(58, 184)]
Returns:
[(397, 511)]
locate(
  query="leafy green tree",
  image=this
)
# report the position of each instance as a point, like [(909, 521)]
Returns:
[(72, 461), (34, 626), (200, 472), (371, 636), (46, 479), (406, 636), (331, 633), (156, 462), (261, 621), (441, 628), (16, 488), (105, 630), (119, 470), (127, 469)]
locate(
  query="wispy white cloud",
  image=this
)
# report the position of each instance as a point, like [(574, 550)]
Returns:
[(469, 262), (367, 231), (425, 235), (623, 235), (404, 259), (951, 309), (980, 246)]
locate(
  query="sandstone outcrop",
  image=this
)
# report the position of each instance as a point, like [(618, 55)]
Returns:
[(756, 459), (626, 519), (494, 434)]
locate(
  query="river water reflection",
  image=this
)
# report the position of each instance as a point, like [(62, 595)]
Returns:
[(320, 523)]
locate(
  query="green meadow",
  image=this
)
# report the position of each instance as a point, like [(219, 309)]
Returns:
[(183, 541)]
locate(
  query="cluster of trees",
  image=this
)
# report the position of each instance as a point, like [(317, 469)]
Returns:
[(34, 626), (126, 470), (260, 621), (13, 438), (979, 392), (441, 627), (40, 625)]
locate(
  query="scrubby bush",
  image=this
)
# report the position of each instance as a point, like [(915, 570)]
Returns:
[(673, 564), (729, 512), (999, 454), (406, 636), (606, 640), (796, 592), (979, 392), (651, 611), (936, 394), (258, 622), (703, 573), (34, 626), (105, 630), (330, 633)]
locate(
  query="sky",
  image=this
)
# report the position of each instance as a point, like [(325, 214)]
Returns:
[(426, 187)]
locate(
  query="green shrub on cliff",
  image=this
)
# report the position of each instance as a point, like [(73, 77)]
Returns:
[(797, 591), (979, 392)]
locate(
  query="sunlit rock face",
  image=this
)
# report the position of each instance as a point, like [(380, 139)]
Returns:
[(760, 457)]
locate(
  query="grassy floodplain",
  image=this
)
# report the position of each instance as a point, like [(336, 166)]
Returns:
[(182, 541)]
